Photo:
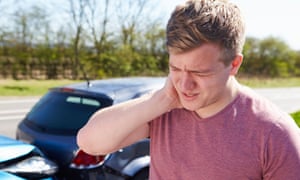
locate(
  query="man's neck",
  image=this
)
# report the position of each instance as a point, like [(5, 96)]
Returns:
[(230, 93)]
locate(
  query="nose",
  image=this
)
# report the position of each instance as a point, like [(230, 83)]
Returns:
[(187, 82)]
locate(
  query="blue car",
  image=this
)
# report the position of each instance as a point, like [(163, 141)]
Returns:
[(19, 160), (7, 176), (54, 121)]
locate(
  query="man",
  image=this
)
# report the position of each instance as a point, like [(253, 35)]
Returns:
[(203, 124)]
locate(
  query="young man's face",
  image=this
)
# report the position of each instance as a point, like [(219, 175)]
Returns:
[(200, 78)]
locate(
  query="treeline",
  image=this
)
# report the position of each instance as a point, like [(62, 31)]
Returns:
[(59, 64), (113, 59), (99, 39), (77, 38), (268, 58)]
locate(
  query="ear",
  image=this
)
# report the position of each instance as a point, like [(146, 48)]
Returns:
[(235, 64)]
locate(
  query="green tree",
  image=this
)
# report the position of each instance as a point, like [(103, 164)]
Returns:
[(269, 57)]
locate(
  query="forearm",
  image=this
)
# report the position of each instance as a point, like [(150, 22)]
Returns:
[(110, 128)]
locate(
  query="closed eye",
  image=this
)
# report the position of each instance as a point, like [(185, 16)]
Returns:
[(173, 68), (203, 73)]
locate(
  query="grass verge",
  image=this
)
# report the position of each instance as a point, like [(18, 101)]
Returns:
[(259, 82), (10, 87), (28, 87), (296, 117)]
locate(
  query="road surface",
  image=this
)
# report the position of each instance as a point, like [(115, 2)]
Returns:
[(287, 99), (12, 111)]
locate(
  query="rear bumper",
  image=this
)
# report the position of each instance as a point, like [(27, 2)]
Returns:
[(81, 174)]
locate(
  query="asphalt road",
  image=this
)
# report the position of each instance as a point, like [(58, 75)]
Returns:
[(287, 99), (13, 109)]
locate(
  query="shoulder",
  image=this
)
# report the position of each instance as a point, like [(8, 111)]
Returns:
[(259, 105), (263, 111)]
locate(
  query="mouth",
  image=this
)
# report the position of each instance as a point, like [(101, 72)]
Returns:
[(189, 96)]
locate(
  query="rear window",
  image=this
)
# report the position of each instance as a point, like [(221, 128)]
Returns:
[(64, 112)]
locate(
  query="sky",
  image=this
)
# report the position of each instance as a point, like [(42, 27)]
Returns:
[(265, 18)]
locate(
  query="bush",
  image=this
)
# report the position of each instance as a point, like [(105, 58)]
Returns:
[(296, 116)]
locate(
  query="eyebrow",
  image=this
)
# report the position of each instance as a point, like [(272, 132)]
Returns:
[(204, 71)]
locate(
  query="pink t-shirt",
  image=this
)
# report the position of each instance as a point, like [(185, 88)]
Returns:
[(250, 139)]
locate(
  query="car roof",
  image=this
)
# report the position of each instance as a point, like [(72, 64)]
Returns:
[(119, 89)]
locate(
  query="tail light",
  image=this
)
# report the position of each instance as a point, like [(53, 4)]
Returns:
[(66, 89), (83, 160)]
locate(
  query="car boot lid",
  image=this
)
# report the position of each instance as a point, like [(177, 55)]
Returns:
[(11, 149)]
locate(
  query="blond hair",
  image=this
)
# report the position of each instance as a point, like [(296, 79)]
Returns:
[(206, 21)]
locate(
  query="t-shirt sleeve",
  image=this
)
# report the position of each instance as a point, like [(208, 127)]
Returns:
[(281, 158)]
